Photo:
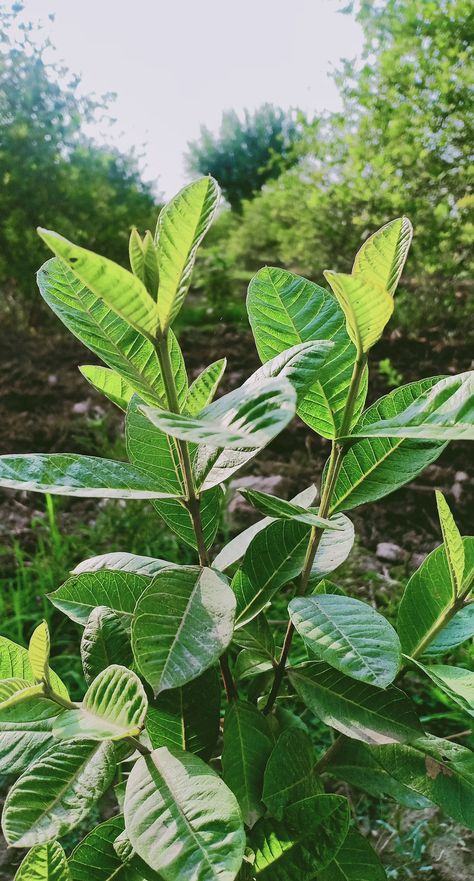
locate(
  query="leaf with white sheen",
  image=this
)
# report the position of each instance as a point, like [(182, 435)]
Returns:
[(349, 635), (110, 383), (235, 549), (285, 310), (123, 562), (383, 255), (459, 629), (38, 652), (427, 599), (105, 641), (279, 509), (25, 733), (202, 390), (300, 364), (366, 304), (289, 774), (118, 590), (333, 549), (453, 543), (45, 862), (171, 797), (364, 712), (374, 467), (116, 286), (443, 412), (88, 317), (57, 792), (114, 707), (69, 474), (187, 718), (15, 663), (456, 682), (183, 623), (181, 227), (437, 769), (303, 843), (356, 861), (247, 746)]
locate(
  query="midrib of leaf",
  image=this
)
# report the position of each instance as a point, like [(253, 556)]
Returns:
[(347, 642), (343, 697), (270, 577), (69, 783), (242, 756), (369, 471)]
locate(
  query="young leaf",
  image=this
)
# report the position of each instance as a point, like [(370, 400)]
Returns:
[(114, 707), (38, 652), (204, 387), (355, 861), (453, 544), (247, 746), (256, 636), (123, 562), (15, 663), (69, 474), (304, 843), (105, 641), (444, 412), (144, 261), (46, 862), (250, 663), (374, 467), (384, 253), (366, 304), (289, 774), (349, 635), (279, 509), (15, 691), (183, 623), (110, 383), (171, 797), (356, 709), (117, 287), (187, 718), (285, 310), (57, 792), (117, 590), (181, 226), (456, 682), (428, 599)]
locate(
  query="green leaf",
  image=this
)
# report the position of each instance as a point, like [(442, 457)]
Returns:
[(444, 412), (366, 304), (187, 718), (68, 474), (97, 859), (110, 383), (181, 226), (204, 387), (114, 707), (349, 635), (118, 590), (38, 653), (453, 543), (15, 663), (15, 691), (439, 770), (428, 598), (356, 861), (382, 257), (57, 792), (356, 709), (333, 549), (117, 287), (46, 862), (289, 774), (456, 682), (250, 663), (171, 797), (25, 733), (256, 636), (355, 764), (183, 623), (123, 562), (284, 310), (144, 260), (235, 549), (179, 520), (151, 450), (279, 509), (457, 631), (105, 641), (374, 467), (300, 364), (304, 843), (247, 746), (88, 317)]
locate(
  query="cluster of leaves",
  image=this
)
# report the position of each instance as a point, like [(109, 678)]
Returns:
[(253, 804)]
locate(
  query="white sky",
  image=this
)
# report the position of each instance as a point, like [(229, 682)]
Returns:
[(177, 64)]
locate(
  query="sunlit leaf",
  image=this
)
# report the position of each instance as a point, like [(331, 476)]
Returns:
[(38, 652), (110, 383), (382, 257), (453, 544), (114, 707), (117, 590), (289, 774), (202, 390), (45, 862)]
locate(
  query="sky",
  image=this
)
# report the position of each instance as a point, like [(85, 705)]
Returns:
[(178, 64)]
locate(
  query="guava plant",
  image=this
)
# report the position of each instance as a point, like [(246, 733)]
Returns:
[(249, 798)]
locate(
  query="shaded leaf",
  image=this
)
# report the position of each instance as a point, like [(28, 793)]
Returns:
[(179, 520), (187, 718), (456, 682), (457, 631), (355, 861), (96, 859), (289, 774), (279, 509), (105, 641), (247, 746)]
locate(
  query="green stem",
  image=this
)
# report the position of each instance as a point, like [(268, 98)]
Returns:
[(63, 702)]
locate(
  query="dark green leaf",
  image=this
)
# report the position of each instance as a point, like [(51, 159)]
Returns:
[(188, 717), (247, 746), (279, 509), (117, 590), (356, 861), (105, 641), (289, 775)]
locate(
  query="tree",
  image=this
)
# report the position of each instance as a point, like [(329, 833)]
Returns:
[(247, 152)]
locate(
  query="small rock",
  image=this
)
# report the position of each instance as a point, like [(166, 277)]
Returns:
[(416, 560), (390, 552), (82, 407), (52, 379), (461, 477)]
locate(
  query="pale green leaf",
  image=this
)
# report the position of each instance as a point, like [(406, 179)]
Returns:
[(279, 509), (361, 711), (202, 390), (456, 682), (57, 792), (118, 590), (124, 562), (453, 543), (366, 304), (105, 641), (118, 288), (110, 383), (188, 717), (289, 774), (246, 749), (349, 635), (300, 365), (15, 663), (114, 707), (356, 861), (38, 652), (25, 733), (181, 226), (382, 257), (15, 691), (144, 261), (171, 797), (183, 623), (45, 862)]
